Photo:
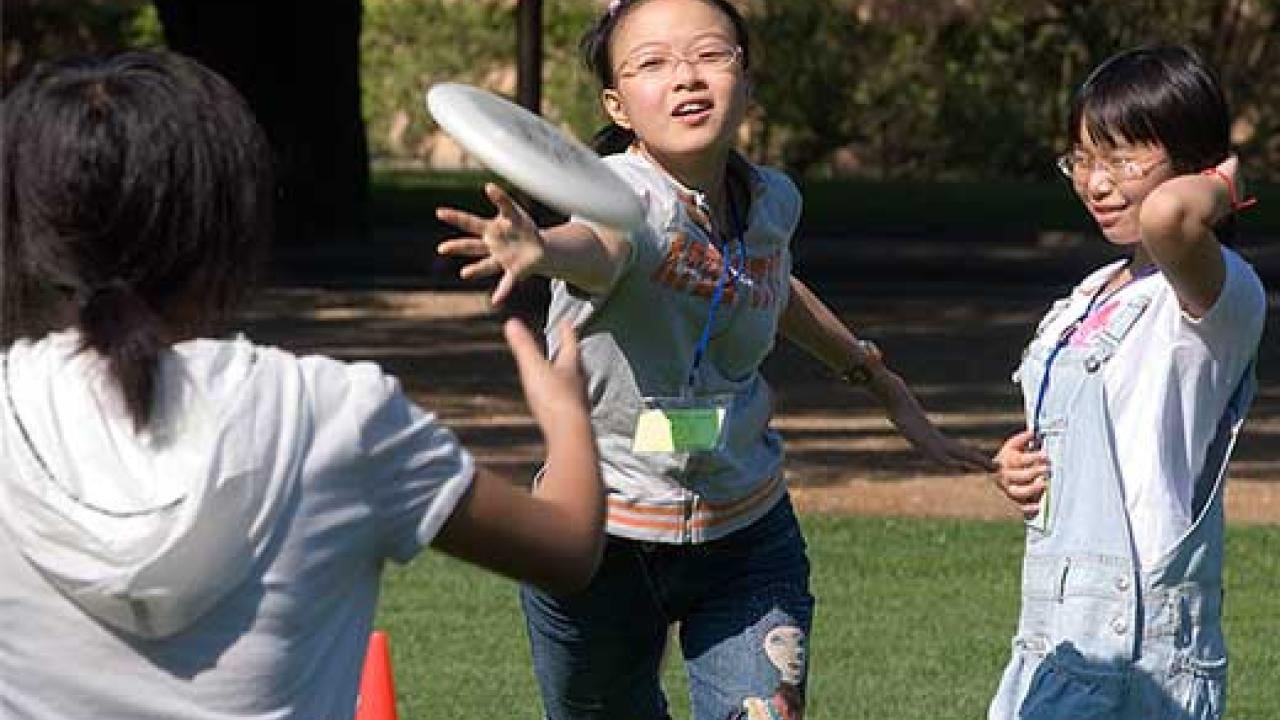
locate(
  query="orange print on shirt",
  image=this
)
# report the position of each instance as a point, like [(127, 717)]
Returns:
[(694, 268)]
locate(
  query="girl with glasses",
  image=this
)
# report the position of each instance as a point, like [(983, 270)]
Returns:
[(1135, 387), (676, 320)]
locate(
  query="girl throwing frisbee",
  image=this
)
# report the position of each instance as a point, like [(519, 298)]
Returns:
[(675, 320)]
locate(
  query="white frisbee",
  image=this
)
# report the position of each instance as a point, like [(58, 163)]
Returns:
[(534, 155)]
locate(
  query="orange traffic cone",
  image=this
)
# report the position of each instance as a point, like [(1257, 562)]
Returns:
[(377, 700)]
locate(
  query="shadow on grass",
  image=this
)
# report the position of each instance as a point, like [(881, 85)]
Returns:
[(956, 348)]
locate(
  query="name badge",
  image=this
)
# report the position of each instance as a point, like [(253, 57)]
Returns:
[(1040, 521), (681, 424)]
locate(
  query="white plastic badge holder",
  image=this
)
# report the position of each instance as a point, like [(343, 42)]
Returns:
[(1040, 521), (682, 424)]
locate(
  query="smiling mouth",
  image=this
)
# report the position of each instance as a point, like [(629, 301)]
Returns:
[(1107, 218)]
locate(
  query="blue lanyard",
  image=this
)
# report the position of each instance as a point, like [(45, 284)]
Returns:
[(701, 349), (1069, 331)]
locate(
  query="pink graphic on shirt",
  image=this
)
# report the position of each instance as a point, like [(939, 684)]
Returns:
[(1093, 324)]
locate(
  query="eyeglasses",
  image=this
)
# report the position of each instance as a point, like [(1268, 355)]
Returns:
[(1078, 164), (661, 64)]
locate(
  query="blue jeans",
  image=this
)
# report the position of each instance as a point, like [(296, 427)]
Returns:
[(744, 612)]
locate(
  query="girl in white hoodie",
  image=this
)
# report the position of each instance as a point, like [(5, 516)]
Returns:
[(192, 525)]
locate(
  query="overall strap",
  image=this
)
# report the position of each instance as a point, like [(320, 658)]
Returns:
[(1198, 555), (1118, 326), (1224, 441)]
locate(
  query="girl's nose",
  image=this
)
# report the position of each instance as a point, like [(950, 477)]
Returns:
[(686, 72), (1099, 181)]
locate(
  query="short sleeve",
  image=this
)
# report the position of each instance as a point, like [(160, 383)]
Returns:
[(411, 469), (646, 241), (786, 202), (1232, 328)]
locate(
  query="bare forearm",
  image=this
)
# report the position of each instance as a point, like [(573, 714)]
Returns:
[(1177, 222), (811, 324), (572, 489), (553, 537), (582, 257)]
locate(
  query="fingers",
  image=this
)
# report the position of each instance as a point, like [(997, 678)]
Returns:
[(501, 200), (526, 350), (1026, 490), (473, 224), (506, 284), (1022, 472), (464, 221), (1014, 448), (1023, 478), (567, 357), (1019, 441), (1018, 461), (479, 269), (1027, 495), (463, 247)]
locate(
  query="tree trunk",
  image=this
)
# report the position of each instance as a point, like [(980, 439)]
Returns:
[(297, 65)]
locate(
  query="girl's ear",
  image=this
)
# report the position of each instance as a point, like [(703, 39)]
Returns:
[(612, 103)]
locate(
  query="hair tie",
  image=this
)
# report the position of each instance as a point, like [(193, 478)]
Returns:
[(1237, 203), (614, 7)]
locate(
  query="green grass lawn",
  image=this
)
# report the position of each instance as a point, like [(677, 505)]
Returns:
[(913, 621)]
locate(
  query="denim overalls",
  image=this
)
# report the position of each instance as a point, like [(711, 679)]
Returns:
[(1097, 638)]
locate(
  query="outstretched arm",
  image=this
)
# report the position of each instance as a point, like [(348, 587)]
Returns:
[(1177, 221), (552, 537), (510, 243), (809, 323)]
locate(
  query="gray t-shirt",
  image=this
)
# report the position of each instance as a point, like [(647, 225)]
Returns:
[(639, 340)]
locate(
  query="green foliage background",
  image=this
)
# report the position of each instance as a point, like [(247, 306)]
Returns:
[(934, 89), (877, 89)]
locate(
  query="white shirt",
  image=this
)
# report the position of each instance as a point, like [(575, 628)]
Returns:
[(1167, 387), (222, 564)]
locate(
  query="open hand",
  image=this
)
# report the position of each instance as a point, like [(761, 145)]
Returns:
[(553, 388), (507, 243)]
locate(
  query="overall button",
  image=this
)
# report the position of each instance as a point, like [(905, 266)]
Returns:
[(1092, 364), (1122, 583), (1119, 626)]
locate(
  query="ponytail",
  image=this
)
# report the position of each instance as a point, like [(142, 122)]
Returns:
[(117, 324), (136, 195), (612, 139)]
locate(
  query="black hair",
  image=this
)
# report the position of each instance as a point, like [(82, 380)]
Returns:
[(594, 47), (138, 191), (1156, 94)]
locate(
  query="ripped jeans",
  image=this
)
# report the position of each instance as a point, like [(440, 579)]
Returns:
[(743, 609)]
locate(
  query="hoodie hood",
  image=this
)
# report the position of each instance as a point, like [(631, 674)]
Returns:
[(147, 530)]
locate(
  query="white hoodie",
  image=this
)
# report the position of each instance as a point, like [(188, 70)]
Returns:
[(255, 464), (146, 531)]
